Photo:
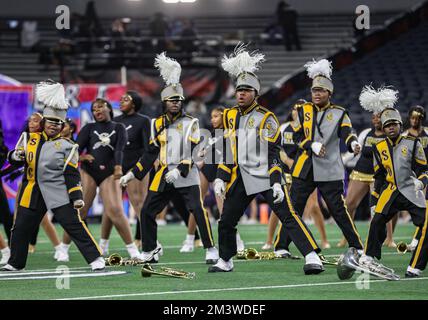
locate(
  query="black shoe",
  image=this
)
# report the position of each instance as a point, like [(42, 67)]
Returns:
[(217, 269), (211, 261), (411, 275), (313, 268)]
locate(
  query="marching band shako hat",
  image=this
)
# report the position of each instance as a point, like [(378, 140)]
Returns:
[(241, 65), (381, 101), (320, 73), (170, 71), (52, 95), (390, 115)]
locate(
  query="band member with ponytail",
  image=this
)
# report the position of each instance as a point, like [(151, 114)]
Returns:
[(101, 146), (52, 183), (138, 130)]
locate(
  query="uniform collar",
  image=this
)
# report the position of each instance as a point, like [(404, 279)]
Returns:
[(180, 114), (249, 109), (50, 139), (328, 105), (397, 141)]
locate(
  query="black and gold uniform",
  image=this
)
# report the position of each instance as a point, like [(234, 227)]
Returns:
[(252, 172), (51, 182), (327, 125), (397, 164), (172, 140)]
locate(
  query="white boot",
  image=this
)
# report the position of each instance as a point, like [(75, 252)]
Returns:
[(61, 252), (188, 244), (313, 264), (5, 255), (132, 250), (104, 246)]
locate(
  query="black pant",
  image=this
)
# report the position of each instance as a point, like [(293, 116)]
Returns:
[(180, 206), (27, 220), (332, 193), (156, 202), (236, 202), (377, 231), (5, 217)]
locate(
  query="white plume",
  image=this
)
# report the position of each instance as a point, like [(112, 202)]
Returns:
[(377, 100), (242, 61), (51, 94), (170, 69), (316, 68)]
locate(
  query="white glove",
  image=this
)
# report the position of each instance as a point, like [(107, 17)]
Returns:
[(316, 147), (419, 186), (278, 193), (78, 204), (126, 178), (172, 175), (354, 144), (18, 155), (219, 188)]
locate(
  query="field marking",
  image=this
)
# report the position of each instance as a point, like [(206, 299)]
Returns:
[(65, 275), (229, 289)]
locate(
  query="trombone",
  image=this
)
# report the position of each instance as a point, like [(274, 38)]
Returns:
[(147, 271)]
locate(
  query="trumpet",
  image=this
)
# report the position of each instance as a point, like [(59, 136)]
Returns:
[(403, 247), (147, 271), (253, 254)]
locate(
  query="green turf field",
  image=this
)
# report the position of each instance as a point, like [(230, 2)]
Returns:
[(254, 280)]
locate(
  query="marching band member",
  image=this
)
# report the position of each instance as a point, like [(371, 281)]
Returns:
[(174, 135), (400, 171), (101, 166), (246, 172), (52, 182), (318, 163), (138, 129)]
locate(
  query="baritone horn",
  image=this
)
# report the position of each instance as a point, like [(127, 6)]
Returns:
[(147, 271)]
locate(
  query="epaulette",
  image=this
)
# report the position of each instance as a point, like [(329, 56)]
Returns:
[(188, 116), (410, 137), (262, 109), (338, 107)]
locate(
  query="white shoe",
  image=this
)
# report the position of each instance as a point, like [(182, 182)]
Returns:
[(61, 255), (282, 253), (8, 267), (5, 256), (222, 266), (98, 265), (188, 246), (148, 257), (412, 246), (211, 255)]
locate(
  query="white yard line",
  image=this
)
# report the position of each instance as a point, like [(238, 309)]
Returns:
[(64, 275), (229, 289)]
